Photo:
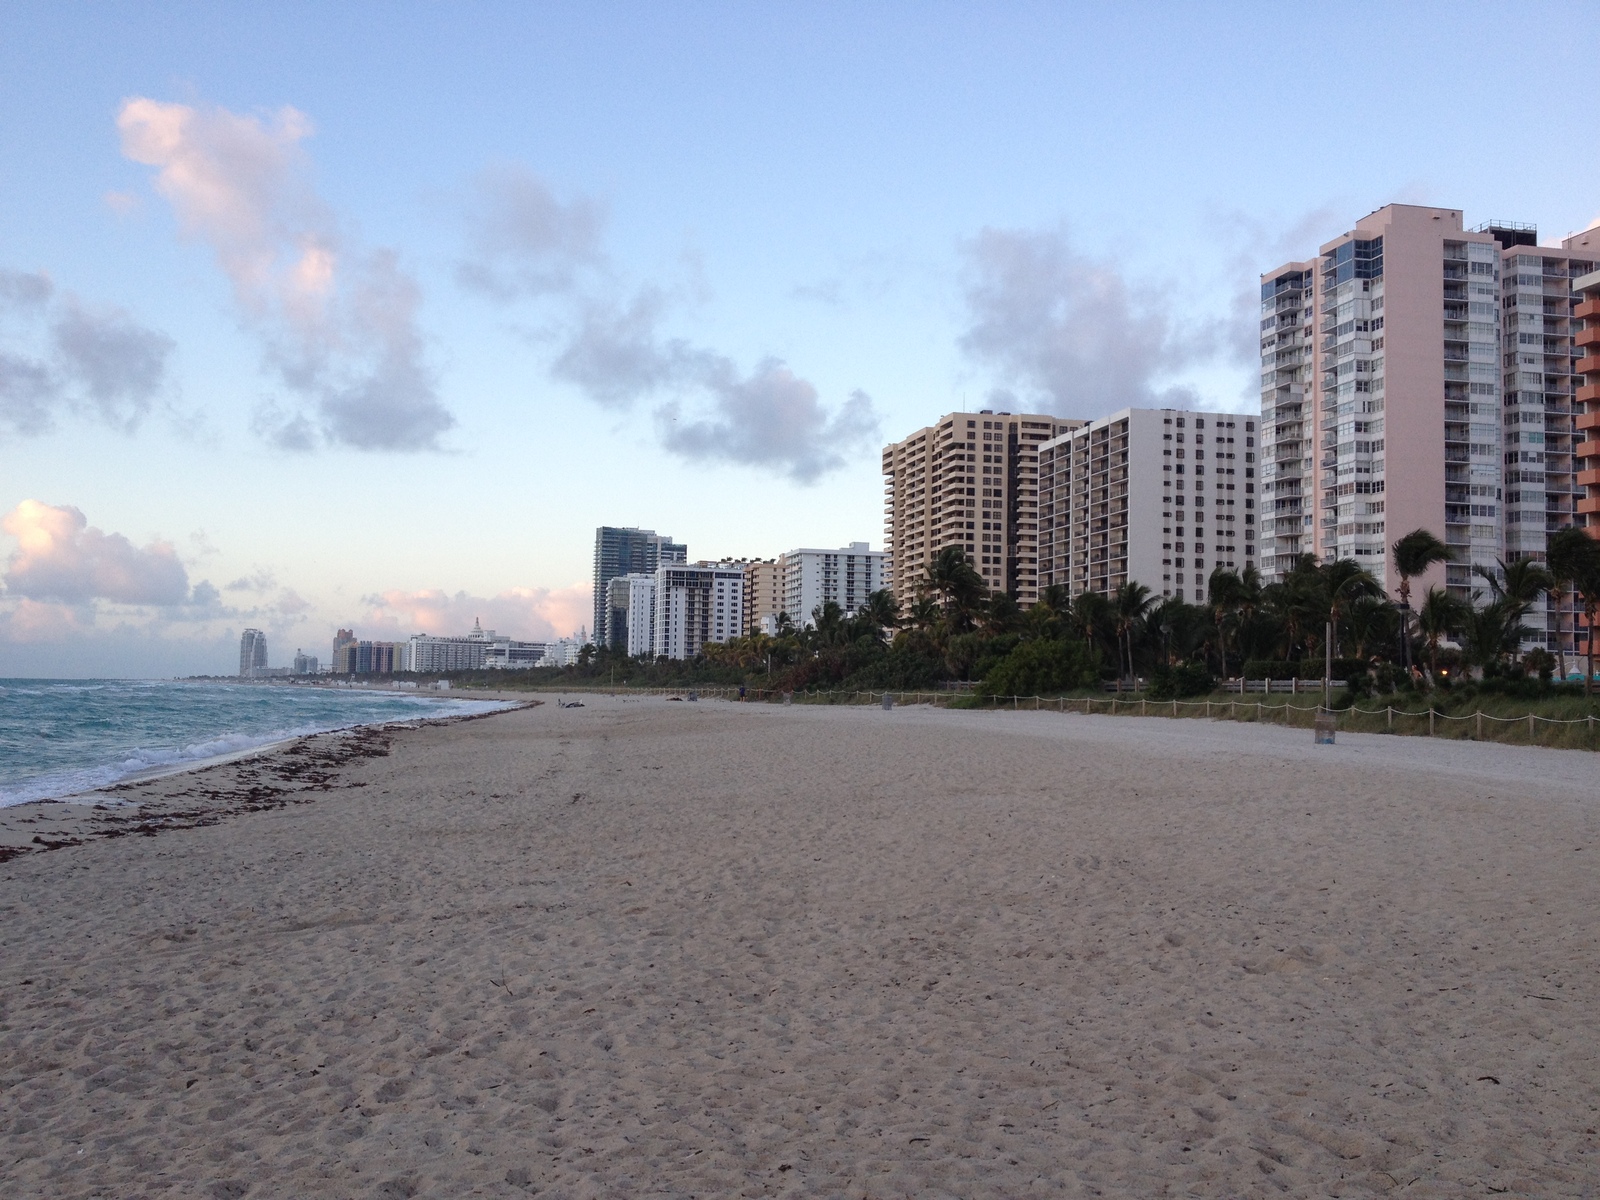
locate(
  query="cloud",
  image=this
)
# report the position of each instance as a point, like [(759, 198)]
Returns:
[(772, 418), (610, 342), (524, 240), (94, 360), (531, 614), (338, 324), (1071, 331), (60, 558)]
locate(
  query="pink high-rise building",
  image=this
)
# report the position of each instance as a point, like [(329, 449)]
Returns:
[(1381, 396)]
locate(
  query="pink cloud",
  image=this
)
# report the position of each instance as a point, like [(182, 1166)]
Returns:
[(35, 621), (59, 557), (339, 326), (535, 614)]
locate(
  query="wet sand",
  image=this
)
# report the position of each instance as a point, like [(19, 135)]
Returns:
[(654, 948)]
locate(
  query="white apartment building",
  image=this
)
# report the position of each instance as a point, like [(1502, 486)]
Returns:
[(426, 653), (695, 606), (508, 654), (1538, 360), (632, 600), (1155, 496), (846, 576)]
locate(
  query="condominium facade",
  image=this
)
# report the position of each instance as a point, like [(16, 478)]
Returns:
[(969, 480), (633, 596), (1586, 453), (846, 576), (624, 550), (1539, 349), (368, 658), (695, 606), (1388, 338), (305, 664), (763, 595), (428, 653), (1159, 497), (252, 653)]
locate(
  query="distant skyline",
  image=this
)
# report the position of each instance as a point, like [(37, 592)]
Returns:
[(367, 315)]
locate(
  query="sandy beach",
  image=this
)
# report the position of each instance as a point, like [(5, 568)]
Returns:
[(648, 948)]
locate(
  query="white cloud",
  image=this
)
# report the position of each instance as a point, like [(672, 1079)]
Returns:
[(74, 357), (61, 559), (339, 325), (612, 344)]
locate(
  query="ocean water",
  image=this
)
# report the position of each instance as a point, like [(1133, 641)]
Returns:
[(60, 737)]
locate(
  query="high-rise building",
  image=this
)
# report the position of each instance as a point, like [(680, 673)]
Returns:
[(695, 606), (970, 481), (763, 595), (1388, 339), (846, 576), (1538, 324), (633, 596), (1155, 496), (305, 664), (1586, 454), (252, 653), (341, 639), (624, 550)]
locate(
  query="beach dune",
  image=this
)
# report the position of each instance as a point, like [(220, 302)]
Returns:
[(649, 948)]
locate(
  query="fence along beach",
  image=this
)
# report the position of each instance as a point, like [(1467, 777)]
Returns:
[(716, 948)]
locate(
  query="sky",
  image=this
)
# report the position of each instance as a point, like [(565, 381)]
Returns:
[(366, 315)]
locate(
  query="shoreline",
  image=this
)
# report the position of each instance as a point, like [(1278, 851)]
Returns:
[(163, 770), (152, 801)]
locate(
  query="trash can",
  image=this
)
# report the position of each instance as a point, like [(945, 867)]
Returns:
[(888, 702), (1325, 726)]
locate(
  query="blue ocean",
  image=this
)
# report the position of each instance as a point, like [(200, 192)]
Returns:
[(60, 737)]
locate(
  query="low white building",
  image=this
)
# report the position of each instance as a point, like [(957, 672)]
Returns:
[(695, 606), (846, 576), (426, 653), (508, 654), (564, 652), (1158, 496)]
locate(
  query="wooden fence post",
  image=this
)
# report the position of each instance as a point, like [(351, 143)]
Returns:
[(1388, 712), (1479, 734), (1430, 720), (1530, 727)]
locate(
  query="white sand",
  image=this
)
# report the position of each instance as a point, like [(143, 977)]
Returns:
[(650, 948)]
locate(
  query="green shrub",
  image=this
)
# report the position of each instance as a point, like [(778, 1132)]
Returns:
[(1040, 667), (1176, 683)]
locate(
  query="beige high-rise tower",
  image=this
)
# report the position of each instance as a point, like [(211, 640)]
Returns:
[(969, 480)]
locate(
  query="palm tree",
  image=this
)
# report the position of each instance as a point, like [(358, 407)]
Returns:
[(880, 613), (1413, 555), (1441, 615), (1091, 614), (1564, 552), (924, 612), (1579, 564), (1345, 581), (1002, 614), (1370, 619), (961, 590), (1131, 603), (1493, 632), (1518, 583), (1224, 592)]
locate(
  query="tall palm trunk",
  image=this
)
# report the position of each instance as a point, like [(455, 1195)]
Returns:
[(1557, 597)]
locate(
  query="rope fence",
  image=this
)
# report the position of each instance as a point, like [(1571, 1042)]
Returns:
[(1479, 726), (1530, 728)]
